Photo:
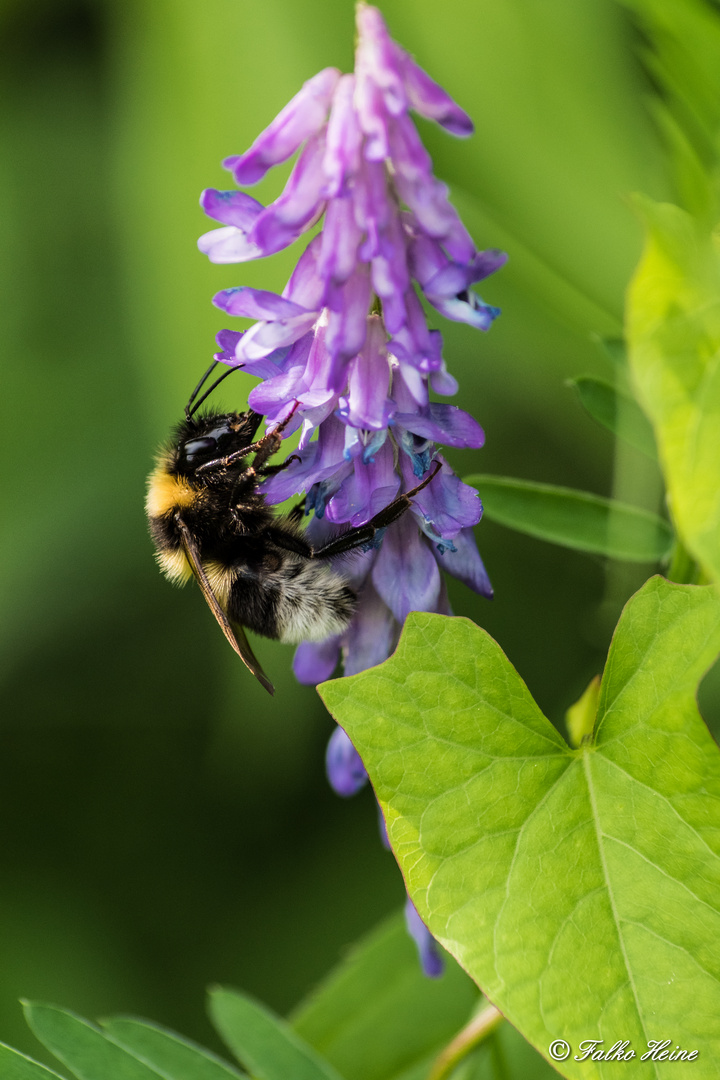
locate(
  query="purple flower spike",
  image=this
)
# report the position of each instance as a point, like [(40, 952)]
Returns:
[(345, 353), (431, 961), (345, 769)]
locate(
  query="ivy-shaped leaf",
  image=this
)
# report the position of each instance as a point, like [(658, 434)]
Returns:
[(580, 888), (673, 331)]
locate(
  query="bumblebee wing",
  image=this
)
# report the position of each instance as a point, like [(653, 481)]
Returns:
[(235, 635)]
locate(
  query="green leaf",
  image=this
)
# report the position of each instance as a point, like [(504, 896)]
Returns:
[(82, 1047), (174, 1057), (16, 1066), (580, 888), (266, 1045), (574, 519), (673, 330), (616, 411), (377, 1015)]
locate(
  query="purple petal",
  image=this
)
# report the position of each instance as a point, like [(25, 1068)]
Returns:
[(409, 156), (455, 277), (390, 275), (300, 119), (426, 196), (341, 238), (414, 344), (265, 337), (292, 480), (276, 391), (443, 605), (444, 424), (425, 255), (429, 201), (416, 383), (373, 445), (324, 373), (278, 361), (446, 504), (344, 140), (315, 661), (405, 573), (458, 243), (429, 99), (299, 206), (465, 563), (231, 207), (306, 287), (419, 453), (345, 769), (372, 117), (257, 304), (367, 490), (467, 308), (348, 304), (443, 382), (409, 392), (376, 58), (319, 462), (428, 949), (228, 245), (228, 340), (373, 207), (372, 635), (367, 404)]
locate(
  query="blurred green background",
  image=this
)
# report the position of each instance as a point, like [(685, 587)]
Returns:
[(164, 824)]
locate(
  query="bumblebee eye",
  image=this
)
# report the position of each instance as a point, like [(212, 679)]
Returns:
[(196, 449), (224, 437)]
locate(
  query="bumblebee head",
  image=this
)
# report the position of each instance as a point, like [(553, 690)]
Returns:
[(203, 439)]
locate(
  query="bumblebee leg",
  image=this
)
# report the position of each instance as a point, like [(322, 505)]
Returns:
[(253, 475), (270, 470), (365, 534), (290, 541), (263, 449), (298, 511)]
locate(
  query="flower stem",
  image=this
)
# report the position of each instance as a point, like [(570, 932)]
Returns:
[(475, 1032)]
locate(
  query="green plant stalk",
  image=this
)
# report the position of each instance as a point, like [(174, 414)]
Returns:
[(475, 1032)]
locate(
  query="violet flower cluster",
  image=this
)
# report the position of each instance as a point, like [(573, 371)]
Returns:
[(345, 352)]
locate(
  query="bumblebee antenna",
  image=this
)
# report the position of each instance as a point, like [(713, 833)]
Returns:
[(207, 393), (198, 388)]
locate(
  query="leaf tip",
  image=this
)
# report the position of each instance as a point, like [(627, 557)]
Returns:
[(580, 717)]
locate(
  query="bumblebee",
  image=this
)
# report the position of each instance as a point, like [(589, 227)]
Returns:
[(209, 520)]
